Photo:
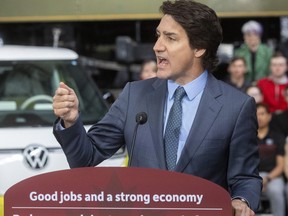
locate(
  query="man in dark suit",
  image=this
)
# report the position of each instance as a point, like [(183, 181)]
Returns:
[(215, 136)]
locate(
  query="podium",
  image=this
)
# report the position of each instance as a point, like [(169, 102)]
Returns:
[(103, 191)]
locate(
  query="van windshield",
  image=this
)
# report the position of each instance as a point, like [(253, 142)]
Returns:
[(27, 89)]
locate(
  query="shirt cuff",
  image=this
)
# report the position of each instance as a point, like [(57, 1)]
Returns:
[(58, 125)]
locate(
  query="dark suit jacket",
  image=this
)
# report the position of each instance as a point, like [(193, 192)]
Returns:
[(221, 146)]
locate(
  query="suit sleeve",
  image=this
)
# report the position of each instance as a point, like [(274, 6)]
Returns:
[(101, 141), (243, 176)]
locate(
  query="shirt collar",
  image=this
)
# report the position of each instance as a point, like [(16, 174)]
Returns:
[(192, 88)]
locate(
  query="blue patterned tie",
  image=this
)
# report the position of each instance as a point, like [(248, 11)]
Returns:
[(172, 132)]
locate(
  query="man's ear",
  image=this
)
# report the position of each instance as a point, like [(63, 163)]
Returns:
[(199, 52)]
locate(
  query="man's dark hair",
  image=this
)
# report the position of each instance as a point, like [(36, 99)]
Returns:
[(236, 58), (265, 106), (278, 54), (201, 25)]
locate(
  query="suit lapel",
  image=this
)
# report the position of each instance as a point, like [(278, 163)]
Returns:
[(156, 103), (207, 112)]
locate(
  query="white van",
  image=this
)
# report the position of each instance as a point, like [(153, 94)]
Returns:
[(29, 77)]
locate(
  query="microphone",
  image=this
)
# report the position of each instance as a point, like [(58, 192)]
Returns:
[(141, 118)]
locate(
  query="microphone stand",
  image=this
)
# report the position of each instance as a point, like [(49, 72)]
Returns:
[(141, 118)]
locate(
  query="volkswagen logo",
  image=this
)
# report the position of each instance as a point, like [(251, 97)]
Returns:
[(36, 156)]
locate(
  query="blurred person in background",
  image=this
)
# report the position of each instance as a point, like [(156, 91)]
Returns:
[(272, 87), (271, 150), (257, 55), (148, 69), (280, 121), (255, 92), (283, 48), (237, 70)]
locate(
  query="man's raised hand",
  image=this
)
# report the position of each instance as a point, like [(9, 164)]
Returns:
[(66, 104)]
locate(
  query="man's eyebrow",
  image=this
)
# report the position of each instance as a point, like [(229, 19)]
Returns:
[(167, 33)]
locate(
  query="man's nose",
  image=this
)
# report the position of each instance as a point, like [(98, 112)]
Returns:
[(158, 46)]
